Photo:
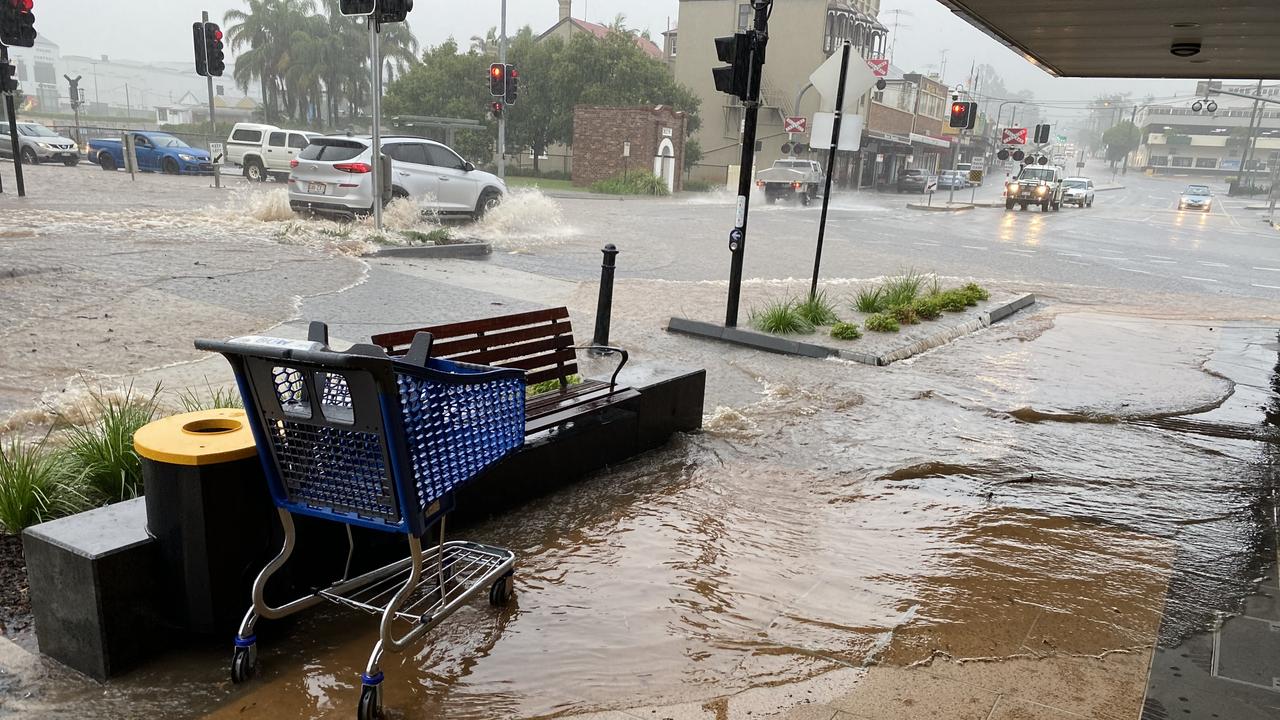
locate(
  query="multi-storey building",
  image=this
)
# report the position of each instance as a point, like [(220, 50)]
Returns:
[(1176, 139)]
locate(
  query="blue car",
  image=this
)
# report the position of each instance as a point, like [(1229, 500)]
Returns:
[(156, 151)]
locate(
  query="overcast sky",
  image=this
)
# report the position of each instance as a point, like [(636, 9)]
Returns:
[(145, 30)]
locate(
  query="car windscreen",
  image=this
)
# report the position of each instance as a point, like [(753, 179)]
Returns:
[(1197, 189), (1036, 174), (168, 141), (1073, 183), (36, 131), (331, 150)]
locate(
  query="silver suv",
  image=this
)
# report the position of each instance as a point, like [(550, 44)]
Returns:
[(37, 143), (333, 175)]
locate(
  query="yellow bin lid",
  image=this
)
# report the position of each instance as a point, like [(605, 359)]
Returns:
[(206, 437)]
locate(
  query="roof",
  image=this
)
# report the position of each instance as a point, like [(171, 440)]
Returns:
[(602, 32), (1133, 38)]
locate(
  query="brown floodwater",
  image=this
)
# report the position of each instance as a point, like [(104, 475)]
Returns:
[(1054, 486)]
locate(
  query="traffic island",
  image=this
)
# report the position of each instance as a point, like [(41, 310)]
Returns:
[(945, 207), (873, 348), (450, 251)]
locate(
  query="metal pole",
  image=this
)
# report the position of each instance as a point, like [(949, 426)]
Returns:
[(1133, 115), (213, 126), (13, 131), (831, 158), (604, 304), (502, 118), (375, 156), (955, 163), (1250, 142), (758, 39)]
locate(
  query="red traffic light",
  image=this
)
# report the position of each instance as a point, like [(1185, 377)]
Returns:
[(957, 108), (217, 34), (496, 71)]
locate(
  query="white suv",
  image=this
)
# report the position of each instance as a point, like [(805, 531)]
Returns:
[(333, 175), (265, 150)]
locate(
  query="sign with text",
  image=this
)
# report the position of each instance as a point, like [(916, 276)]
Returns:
[(879, 66), (1013, 136), (795, 124), (216, 152)]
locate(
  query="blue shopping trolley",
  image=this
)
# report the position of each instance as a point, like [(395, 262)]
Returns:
[(361, 439)]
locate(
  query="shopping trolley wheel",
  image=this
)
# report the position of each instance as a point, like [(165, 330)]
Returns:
[(500, 591), (370, 707), (244, 662)]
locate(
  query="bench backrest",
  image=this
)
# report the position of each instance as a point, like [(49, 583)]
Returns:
[(539, 342)]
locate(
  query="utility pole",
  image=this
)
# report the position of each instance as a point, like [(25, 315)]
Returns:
[(1250, 140), (502, 117)]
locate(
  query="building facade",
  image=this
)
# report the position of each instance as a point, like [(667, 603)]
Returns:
[(612, 141), (802, 35), (1177, 140), (905, 129)]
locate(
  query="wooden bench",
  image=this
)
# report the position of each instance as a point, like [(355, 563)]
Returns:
[(540, 343)]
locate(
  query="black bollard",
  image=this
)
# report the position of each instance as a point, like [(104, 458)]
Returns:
[(604, 306)]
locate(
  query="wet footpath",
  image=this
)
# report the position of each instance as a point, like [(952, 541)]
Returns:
[(1046, 519)]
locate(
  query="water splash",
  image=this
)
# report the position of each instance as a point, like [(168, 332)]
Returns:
[(526, 218)]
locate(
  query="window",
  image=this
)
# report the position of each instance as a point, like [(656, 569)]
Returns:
[(441, 156), (744, 16), (298, 141), (46, 74), (414, 153), (673, 44), (332, 150), (247, 136), (162, 115), (1161, 160), (1181, 162), (219, 90), (1209, 163), (276, 139)]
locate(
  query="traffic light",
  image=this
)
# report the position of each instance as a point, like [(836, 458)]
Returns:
[(215, 59), (197, 38), (8, 83), (963, 114), (17, 23), (736, 50), (357, 7), (1018, 155), (1042, 133), (498, 80), (513, 85), (391, 11), (496, 109)]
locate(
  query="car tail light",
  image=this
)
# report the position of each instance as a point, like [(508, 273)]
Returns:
[(795, 186), (355, 167), (293, 163), (759, 183)]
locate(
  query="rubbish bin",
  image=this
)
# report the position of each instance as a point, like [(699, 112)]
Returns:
[(211, 514)]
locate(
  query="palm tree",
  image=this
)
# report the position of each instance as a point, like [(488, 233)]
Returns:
[(487, 45)]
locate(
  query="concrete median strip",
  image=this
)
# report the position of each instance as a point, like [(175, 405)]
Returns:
[(940, 208), (456, 250), (788, 346)]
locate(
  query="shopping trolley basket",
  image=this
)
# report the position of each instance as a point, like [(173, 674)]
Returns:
[(361, 439)]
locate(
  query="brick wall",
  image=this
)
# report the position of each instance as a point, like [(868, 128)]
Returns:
[(599, 134), (885, 119)]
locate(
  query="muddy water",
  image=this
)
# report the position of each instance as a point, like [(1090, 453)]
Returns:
[(1030, 491)]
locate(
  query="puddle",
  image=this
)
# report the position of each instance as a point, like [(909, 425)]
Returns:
[(1014, 496)]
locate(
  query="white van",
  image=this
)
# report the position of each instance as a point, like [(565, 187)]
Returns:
[(265, 150)]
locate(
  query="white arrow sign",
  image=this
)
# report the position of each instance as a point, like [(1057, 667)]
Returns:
[(826, 80)]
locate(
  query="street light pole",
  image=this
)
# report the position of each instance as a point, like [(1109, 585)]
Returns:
[(502, 118)]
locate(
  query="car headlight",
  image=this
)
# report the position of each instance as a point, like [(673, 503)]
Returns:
[(1012, 187), (44, 145), (188, 158), (1041, 190)]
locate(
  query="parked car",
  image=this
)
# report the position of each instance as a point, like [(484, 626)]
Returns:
[(952, 180), (265, 150), (914, 181), (156, 152), (791, 178), (333, 175), (1035, 185), (1077, 191), (1196, 197), (37, 143)]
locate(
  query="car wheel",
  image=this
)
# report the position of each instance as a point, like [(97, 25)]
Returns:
[(71, 162), (1008, 204), (488, 201), (106, 162), (29, 157), (1023, 206), (769, 199), (170, 166), (1044, 207), (254, 171)]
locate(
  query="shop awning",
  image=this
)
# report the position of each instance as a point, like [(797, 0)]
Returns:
[(1134, 38), (929, 140)]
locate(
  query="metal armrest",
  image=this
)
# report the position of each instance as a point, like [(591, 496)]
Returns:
[(613, 381)]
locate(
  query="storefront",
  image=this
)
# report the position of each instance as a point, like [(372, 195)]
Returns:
[(929, 152)]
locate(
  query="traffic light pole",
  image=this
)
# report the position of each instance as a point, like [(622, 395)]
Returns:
[(738, 236), (213, 126), (502, 118), (13, 134), (375, 157)]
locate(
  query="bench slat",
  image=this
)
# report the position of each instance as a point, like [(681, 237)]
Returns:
[(565, 358), (524, 351), (546, 402), (446, 348), (535, 425)]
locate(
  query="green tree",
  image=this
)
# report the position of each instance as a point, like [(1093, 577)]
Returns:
[(448, 84), (1120, 140)]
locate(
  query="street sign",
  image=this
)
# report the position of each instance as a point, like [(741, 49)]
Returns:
[(216, 152), (850, 131), (1061, 138), (879, 66), (931, 184), (975, 176), (794, 124), (826, 78), (1013, 136)]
